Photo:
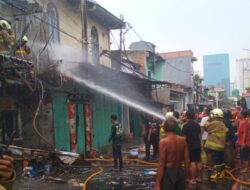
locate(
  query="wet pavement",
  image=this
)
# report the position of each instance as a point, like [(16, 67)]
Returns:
[(132, 178)]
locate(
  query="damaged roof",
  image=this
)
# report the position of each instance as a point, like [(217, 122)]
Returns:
[(102, 15)]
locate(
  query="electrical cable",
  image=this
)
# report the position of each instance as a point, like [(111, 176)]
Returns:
[(36, 114), (115, 40), (177, 68), (44, 21), (139, 36)]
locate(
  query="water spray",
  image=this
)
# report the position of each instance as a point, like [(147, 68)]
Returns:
[(68, 71)]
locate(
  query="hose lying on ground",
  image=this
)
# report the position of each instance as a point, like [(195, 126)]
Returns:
[(85, 185), (229, 173)]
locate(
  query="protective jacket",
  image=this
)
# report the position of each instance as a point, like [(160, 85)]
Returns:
[(216, 138), (6, 42), (23, 52)]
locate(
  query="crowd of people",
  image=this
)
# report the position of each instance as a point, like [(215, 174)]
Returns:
[(215, 138)]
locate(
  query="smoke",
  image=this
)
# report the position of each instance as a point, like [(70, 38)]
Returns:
[(112, 83)]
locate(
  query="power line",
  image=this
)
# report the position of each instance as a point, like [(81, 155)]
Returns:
[(177, 68), (115, 40), (42, 20), (140, 37)]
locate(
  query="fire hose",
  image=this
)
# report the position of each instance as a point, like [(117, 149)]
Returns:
[(228, 172), (85, 185)]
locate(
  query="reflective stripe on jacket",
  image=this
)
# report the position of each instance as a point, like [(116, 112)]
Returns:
[(6, 42), (216, 138)]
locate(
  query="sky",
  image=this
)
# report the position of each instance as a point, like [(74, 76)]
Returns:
[(203, 26)]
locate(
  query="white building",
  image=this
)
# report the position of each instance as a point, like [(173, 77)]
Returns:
[(242, 78)]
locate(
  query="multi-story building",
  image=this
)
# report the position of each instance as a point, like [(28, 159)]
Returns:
[(70, 116), (178, 69), (242, 74), (217, 71)]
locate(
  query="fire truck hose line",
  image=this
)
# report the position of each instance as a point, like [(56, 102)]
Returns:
[(85, 185), (230, 174), (128, 159), (237, 180)]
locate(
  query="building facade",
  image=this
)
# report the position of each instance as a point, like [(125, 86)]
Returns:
[(178, 69), (242, 74), (217, 71), (71, 117)]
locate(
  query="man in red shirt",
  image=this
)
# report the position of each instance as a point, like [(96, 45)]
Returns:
[(245, 146), (241, 142)]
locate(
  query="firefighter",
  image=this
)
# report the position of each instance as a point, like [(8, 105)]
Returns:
[(7, 40), (24, 50), (215, 143)]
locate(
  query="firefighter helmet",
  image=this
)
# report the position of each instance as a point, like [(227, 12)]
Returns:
[(216, 113), (25, 39), (4, 24), (169, 114)]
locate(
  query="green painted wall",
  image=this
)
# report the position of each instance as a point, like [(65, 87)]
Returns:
[(103, 107), (157, 74), (60, 120), (135, 122), (61, 125)]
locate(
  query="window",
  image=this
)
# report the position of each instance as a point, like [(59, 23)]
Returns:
[(94, 45), (53, 23)]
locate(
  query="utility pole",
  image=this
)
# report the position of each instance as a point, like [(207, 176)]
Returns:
[(84, 21), (121, 39)]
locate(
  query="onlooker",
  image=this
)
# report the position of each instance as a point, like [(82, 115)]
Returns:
[(7, 173), (204, 120), (215, 143), (116, 138), (152, 137), (245, 146), (229, 147), (178, 129), (192, 133), (243, 125), (173, 151)]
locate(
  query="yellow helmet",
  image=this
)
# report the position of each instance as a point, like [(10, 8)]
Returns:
[(216, 113), (4, 24), (25, 39)]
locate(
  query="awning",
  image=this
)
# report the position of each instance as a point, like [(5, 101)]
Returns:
[(102, 15)]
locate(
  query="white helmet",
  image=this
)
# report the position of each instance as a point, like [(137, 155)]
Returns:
[(4, 24), (25, 39), (216, 113), (169, 114)]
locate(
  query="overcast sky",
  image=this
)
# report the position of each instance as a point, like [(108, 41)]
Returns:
[(203, 26)]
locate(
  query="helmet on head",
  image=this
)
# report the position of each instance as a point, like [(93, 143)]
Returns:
[(25, 39), (169, 114), (216, 113), (4, 24)]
